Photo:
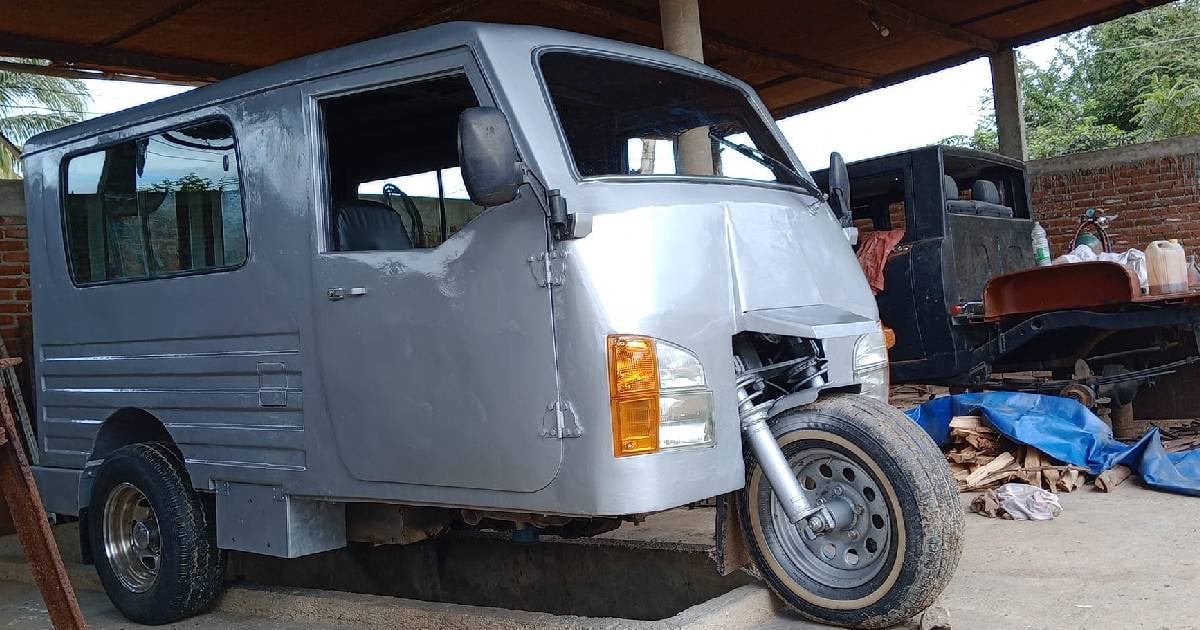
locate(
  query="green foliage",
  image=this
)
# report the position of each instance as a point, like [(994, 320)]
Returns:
[(31, 104), (191, 183), (1133, 79), (1171, 108)]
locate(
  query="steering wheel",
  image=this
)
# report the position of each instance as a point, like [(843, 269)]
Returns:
[(410, 208)]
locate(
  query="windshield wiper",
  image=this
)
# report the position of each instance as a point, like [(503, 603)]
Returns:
[(771, 163)]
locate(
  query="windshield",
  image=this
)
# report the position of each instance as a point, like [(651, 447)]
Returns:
[(626, 118)]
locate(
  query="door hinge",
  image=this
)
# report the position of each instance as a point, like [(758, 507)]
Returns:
[(560, 421), (548, 268)]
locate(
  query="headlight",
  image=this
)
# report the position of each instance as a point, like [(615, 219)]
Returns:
[(686, 419), (871, 365), (678, 368), (647, 374)]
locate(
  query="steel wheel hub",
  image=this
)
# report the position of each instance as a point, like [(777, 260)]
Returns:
[(854, 550), (131, 538)]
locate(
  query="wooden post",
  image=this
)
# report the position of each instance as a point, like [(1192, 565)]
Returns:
[(1009, 103), (682, 36), (32, 523)]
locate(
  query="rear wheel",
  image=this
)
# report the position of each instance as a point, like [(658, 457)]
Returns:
[(900, 521), (152, 539)]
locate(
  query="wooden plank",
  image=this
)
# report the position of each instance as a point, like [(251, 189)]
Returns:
[(965, 456), (71, 73), (982, 443), (85, 55), (1072, 480), (1113, 477), (967, 422), (1033, 462), (1181, 444), (996, 465), (33, 528), (921, 22), (1051, 477), (715, 44), (14, 385), (173, 9), (995, 479)]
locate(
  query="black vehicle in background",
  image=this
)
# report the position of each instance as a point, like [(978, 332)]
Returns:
[(967, 219)]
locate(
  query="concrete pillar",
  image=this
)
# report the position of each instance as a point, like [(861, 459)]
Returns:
[(681, 35), (648, 146), (1009, 104)]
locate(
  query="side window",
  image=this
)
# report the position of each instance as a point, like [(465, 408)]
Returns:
[(157, 206), (879, 202), (394, 178)]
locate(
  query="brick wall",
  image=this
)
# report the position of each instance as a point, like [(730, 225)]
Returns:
[(14, 268), (1153, 188)]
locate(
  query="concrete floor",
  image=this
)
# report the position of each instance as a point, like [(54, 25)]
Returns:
[(1130, 559), (21, 609)]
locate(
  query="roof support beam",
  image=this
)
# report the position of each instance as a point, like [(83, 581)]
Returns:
[(166, 14), (72, 73), (717, 46), (437, 15), (83, 55), (920, 22)]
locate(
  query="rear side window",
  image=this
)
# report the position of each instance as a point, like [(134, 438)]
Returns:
[(157, 206)]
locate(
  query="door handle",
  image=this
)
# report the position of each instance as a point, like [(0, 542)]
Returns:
[(338, 293)]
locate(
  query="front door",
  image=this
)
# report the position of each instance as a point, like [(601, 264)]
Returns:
[(434, 338)]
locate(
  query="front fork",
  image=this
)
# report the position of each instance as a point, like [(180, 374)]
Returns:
[(757, 433)]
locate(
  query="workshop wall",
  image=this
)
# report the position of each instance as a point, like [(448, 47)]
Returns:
[(1153, 188), (14, 267)]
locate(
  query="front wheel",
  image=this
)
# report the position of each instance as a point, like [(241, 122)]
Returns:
[(900, 521), (152, 538)]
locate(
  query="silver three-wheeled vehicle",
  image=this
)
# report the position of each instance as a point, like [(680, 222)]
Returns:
[(470, 275)]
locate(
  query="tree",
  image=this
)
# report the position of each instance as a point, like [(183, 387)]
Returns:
[(31, 104), (1133, 79)]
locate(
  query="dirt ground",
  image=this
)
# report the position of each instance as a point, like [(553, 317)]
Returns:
[(1130, 559)]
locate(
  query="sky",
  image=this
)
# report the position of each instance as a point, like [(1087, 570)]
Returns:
[(911, 114)]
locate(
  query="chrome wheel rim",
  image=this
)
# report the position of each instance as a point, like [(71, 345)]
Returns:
[(855, 551), (132, 543)]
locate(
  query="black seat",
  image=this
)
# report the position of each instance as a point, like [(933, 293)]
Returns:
[(984, 202), (369, 225), (985, 190)]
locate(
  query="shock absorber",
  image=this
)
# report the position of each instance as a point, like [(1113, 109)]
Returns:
[(775, 467)]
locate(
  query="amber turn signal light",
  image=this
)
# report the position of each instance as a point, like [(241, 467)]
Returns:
[(889, 337), (633, 388)]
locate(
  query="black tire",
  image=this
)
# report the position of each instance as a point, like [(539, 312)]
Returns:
[(189, 568), (920, 540)]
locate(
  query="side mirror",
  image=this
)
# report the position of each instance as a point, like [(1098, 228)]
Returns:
[(487, 155), (839, 188)]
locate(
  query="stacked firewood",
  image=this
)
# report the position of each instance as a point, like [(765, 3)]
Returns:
[(981, 458)]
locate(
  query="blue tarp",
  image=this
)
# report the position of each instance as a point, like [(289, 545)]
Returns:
[(1065, 430)]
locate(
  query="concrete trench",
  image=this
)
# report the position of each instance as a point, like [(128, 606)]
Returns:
[(598, 577)]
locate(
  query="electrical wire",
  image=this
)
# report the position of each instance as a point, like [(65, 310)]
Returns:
[(1146, 44)]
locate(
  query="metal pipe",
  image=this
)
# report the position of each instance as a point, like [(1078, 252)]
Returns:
[(775, 467)]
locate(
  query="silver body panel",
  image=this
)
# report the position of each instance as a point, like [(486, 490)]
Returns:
[(433, 386)]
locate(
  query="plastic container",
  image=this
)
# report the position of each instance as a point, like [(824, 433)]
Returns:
[(1041, 246), (1166, 267), (1193, 273)]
